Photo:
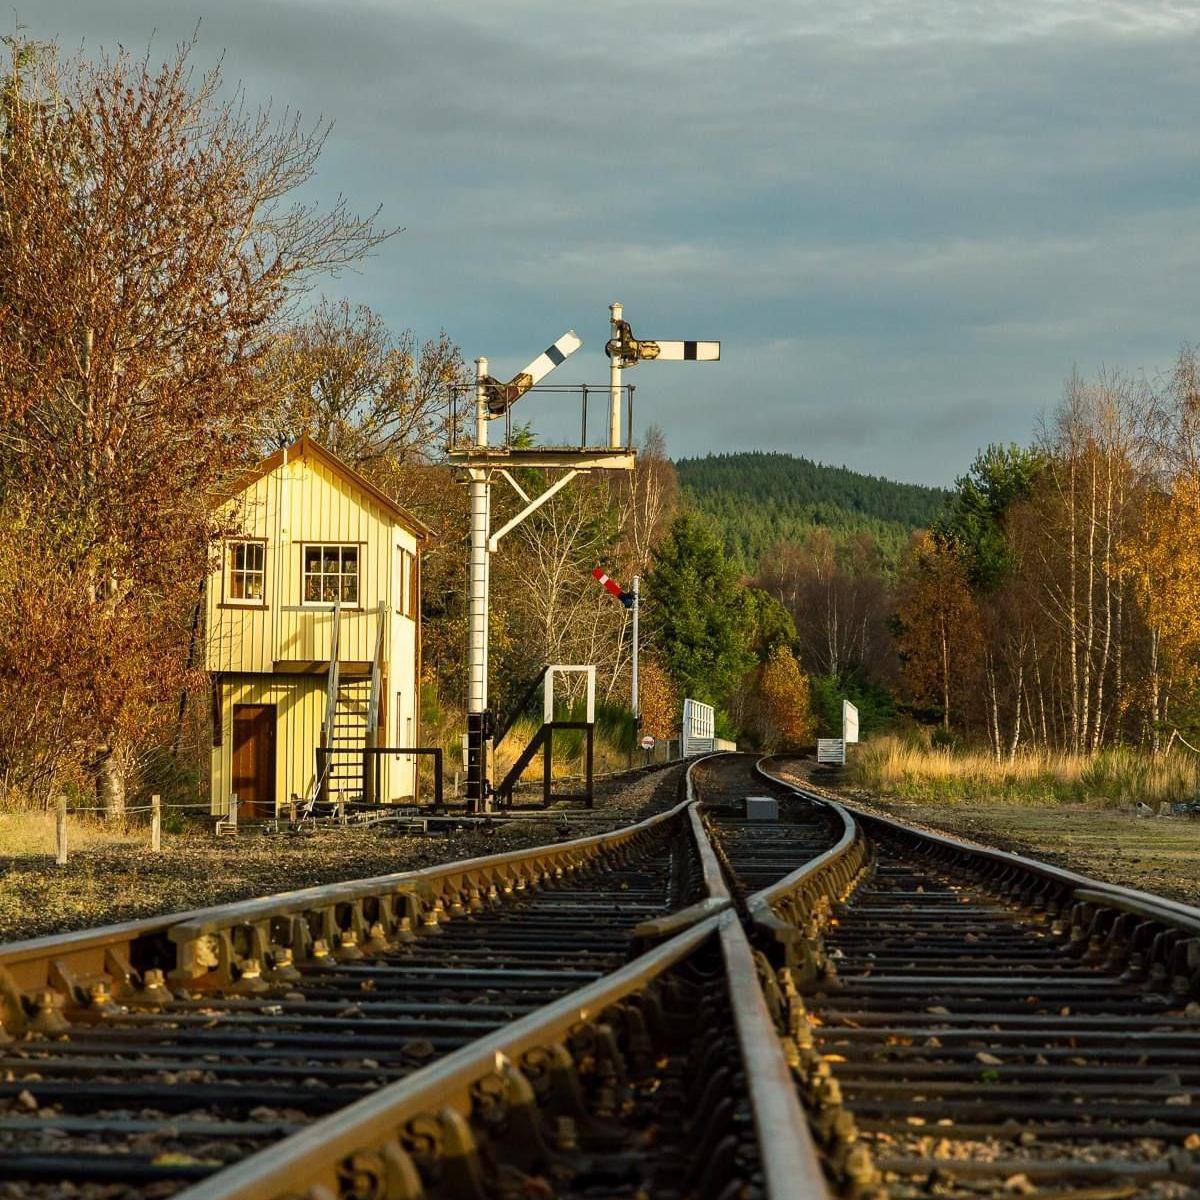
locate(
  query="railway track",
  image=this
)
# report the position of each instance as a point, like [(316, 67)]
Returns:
[(664, 1079), (755, 853), (502, 1027), (909, 1016), (965, 1022), (152, 1054)]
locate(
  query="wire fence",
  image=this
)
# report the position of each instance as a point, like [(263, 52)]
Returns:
[(155, 808), (124, 812)]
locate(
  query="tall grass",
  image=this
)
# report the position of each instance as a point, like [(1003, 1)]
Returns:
[(1111, 778)]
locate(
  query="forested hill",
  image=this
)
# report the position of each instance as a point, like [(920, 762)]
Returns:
[(760, 498)]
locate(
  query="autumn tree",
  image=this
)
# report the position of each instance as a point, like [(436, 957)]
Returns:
[(659, 700), (939, 638), (1080, 514), (778, 709), (151, 236), (378, 400)]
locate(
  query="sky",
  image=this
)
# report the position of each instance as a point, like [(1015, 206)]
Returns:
[(906, 222)]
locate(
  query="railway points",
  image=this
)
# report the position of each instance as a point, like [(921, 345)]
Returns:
[(826, 1004)]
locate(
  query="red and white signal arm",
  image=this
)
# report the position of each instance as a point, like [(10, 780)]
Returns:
[(613, 588)]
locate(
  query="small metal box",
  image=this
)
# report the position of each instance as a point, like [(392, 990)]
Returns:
[(762, 808)]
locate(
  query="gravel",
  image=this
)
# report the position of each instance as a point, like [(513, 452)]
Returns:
[(119, 883)]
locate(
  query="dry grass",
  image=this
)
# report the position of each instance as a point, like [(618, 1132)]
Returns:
[(25, 832), (1156, 854), (889, 766)]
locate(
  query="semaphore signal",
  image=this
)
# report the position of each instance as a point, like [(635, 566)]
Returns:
[(613, 588), (502, 396)]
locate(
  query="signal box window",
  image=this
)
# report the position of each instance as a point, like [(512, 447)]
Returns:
[(246, 573), (330, 571)]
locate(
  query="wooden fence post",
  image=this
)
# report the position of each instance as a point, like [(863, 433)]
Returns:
[(60, 833), (156, 823)]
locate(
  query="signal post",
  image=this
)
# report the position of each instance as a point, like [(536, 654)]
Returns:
[(483, 461)]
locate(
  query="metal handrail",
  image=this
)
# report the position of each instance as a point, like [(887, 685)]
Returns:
[(332, 685), (376, 673), (511, 719)]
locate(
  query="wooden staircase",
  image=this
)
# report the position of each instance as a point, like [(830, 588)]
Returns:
[(351, 721)]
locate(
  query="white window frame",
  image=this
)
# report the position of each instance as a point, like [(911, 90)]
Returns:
[(231, 547), (305, 547)]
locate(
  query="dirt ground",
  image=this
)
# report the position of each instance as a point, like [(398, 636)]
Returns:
[(1156, 854), (103, 884)]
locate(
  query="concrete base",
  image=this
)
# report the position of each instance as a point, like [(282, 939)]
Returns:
[(762, 808)]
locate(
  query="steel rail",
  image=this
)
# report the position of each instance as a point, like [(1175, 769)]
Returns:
[(1052, 889), (789, 1158), (792, 912), (434, 1118), (754, 853), (222, 945), (1076, 989), (716, 897)]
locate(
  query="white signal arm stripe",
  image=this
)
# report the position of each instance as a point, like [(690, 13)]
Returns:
[(501, 396), (552, 356), (688, 351)]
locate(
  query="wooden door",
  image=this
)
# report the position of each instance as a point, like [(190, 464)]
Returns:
[(254, 760)]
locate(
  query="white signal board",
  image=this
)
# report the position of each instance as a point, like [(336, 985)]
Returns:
[(831, 751), (849, 722), (699, 726)]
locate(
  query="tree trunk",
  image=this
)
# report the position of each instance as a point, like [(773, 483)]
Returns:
[(1085, 687), (1016, 737), (1155, 716), (110, 782), (945, 676), (1073, 612)]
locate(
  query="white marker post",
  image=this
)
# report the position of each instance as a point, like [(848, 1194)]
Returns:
[(634, 699), (849, 722)]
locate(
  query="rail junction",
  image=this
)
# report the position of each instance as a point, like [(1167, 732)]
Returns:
[(700, 1005)]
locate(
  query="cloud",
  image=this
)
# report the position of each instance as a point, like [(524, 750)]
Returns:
[(907, 220)]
